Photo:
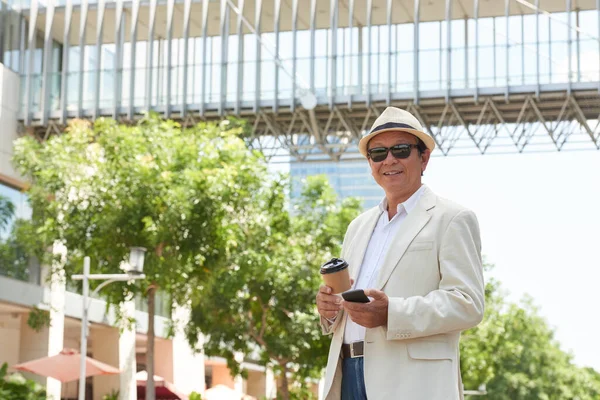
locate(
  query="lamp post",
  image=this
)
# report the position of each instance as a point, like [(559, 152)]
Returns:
[(134, 270)]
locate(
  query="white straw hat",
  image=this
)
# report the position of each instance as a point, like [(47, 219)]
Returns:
[(395, 119)]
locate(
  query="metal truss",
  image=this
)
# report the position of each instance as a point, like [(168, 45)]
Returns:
[(525, 123), (546, 114), (554, 121)]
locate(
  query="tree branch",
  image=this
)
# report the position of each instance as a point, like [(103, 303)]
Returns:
[(259, 338), (263, 326), (159, 249)]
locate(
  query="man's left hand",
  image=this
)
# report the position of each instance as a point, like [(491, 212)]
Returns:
[(371, 314)]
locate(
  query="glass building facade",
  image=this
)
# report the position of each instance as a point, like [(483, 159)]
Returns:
[(15, 262), (348, 179)]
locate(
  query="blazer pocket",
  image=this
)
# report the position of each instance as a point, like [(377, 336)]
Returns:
[(416, 246), (430, 350)]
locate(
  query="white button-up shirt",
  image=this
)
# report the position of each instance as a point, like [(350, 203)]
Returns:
[(383, 234)]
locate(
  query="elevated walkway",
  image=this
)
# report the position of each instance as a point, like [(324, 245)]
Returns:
[(311, 76)]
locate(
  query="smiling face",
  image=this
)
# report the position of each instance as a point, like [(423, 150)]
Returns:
[(399, 178)]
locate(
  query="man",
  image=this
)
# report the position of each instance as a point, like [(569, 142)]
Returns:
[(418, 258)]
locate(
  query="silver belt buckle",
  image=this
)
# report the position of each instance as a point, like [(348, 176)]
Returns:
[(352, 351)]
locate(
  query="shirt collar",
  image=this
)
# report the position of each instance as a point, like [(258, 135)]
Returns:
[(408, 205)]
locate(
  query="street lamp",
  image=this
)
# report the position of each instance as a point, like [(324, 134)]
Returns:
[(134, 270)]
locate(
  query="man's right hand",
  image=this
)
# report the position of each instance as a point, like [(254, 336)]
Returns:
[(328, 304)]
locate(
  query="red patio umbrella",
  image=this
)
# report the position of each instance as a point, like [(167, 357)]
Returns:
[(164, 390), (65, 366)]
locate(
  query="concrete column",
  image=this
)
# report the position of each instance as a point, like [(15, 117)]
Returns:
[(9, 108), (56, 332), (105, 348), (127, 363), (188, 365), (244, 386), (238, 384), (270, 384), (238, 381)]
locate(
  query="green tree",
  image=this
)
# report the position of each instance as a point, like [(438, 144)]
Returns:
[(16, 387), (262, 302), (101, 189), (514, 353)]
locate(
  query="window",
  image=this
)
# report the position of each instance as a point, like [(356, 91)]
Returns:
[(15, 260)]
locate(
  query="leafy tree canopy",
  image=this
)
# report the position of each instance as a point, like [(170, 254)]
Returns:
[(263, 302), (16, 387), (514, 353), (104, 188)]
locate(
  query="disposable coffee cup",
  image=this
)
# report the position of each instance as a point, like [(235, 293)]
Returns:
[(335, 275)]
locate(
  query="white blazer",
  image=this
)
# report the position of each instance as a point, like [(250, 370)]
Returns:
[(433, 277)]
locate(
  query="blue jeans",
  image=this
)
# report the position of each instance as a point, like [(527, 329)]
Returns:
[(353, 379)]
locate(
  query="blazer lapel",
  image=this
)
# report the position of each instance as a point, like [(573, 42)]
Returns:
[(411, 226), (359, 247)]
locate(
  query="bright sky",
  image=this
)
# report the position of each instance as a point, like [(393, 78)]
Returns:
[(540, 221)]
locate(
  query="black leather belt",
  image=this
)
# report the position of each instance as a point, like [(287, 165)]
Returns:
[(353, 350)]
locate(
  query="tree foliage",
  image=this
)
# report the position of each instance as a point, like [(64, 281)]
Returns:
[(262, 302), (104, 188), (16, 387), (514, 353)]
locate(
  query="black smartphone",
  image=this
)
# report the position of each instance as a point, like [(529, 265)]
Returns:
[(355, 296)]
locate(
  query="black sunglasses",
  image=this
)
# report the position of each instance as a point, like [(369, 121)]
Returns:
[(378, 154)]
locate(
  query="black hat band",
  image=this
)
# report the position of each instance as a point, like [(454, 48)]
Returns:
[(390, 125)]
